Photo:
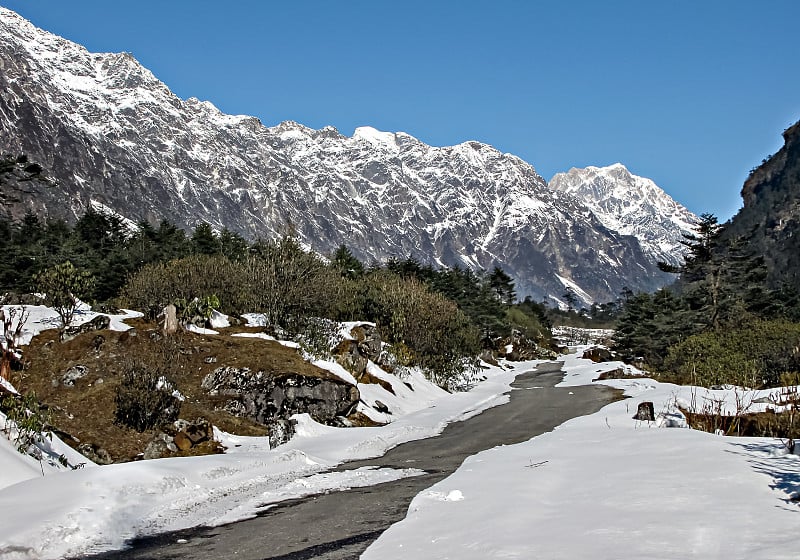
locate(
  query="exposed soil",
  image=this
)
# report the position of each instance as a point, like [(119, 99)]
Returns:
[(85, 410)]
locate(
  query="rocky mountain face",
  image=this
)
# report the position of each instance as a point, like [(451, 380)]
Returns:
[(107, 132), (631, 205), (769, 221)]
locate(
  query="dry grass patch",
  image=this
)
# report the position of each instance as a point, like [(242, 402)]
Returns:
[(86, 409)]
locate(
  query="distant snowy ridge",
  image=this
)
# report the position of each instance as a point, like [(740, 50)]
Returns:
[(113, 135), (631, 205)]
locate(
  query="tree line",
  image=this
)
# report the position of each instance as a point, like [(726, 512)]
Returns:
[(721, 322), (442, 317)]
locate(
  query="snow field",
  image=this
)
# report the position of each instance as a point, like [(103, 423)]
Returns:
[(605, 486), (71, 513)]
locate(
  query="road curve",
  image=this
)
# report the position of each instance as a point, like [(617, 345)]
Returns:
[(341, 525)]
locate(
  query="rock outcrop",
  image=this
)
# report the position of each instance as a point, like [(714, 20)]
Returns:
[(273, 400), (769, 221)]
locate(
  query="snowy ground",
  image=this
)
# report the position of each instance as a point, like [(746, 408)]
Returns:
[(600, 486), (73, 512), (606, 486)]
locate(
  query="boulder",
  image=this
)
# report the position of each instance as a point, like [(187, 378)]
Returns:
[(182, 441), (270, 399), (160, 446), (350, 358), (95, 453), (368, 341), (182, 436), (598, 354), (280, 432), (518, 348), (381, 407), (73, 374), (365, 345), (170, 317)]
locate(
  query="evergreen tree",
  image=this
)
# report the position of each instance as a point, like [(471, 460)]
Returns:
[(205, 241), (346, 264), (232, 245), (503, 286)]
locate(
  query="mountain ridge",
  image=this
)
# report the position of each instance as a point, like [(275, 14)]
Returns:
[(111, 133)]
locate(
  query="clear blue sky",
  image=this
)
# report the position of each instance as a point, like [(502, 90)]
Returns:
[(689, 93)]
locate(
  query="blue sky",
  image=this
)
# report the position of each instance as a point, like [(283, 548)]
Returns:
[(689, 93)]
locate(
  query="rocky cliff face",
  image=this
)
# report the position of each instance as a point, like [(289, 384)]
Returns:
[(770, 218), (110, 133), (631, 205)]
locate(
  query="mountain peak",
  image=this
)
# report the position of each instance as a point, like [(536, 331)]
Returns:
[(632, 205), (378, 138)]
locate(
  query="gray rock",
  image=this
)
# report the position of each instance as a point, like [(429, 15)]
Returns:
[(381, 407), (269, 399), (73, 374), (95, 453), (280, 432), (160, 446), (598, 354), (99, 323)]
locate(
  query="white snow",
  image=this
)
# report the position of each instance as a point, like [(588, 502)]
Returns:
[(97, 508), (376, 137), (608, 486), (599, 486), (41, 317)]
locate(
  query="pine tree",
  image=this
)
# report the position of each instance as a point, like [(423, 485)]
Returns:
[(205, 241), (346, 264), (503, 286)]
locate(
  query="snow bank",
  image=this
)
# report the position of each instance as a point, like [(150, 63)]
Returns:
[(608, 486), (99, 507)]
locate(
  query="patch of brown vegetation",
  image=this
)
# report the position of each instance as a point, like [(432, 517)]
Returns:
[(86, 409), (367, 377), (782, 425), (360, 419)]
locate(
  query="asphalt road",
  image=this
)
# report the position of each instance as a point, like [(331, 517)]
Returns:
[(341, 525)]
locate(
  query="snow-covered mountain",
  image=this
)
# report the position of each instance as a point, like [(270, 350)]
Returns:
[(110, 133), (631, 205)]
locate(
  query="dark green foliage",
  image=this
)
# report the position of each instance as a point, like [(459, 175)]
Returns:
[(441, 338), (159, 284), (721, 324), (154, 266), (205, 241), (649, 324), (288, 283), (757, 354), (63, 286), (571, 298), (503, 286), (28, 423), (232, 245), (347, 265)]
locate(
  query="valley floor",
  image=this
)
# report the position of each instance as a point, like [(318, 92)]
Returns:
[(607, 486), (599, 486)]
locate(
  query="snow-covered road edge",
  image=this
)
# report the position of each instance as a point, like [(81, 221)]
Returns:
[(98, 508), (608, 486)]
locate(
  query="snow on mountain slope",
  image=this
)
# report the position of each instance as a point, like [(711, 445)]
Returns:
[(631, 205), (110, 133)]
